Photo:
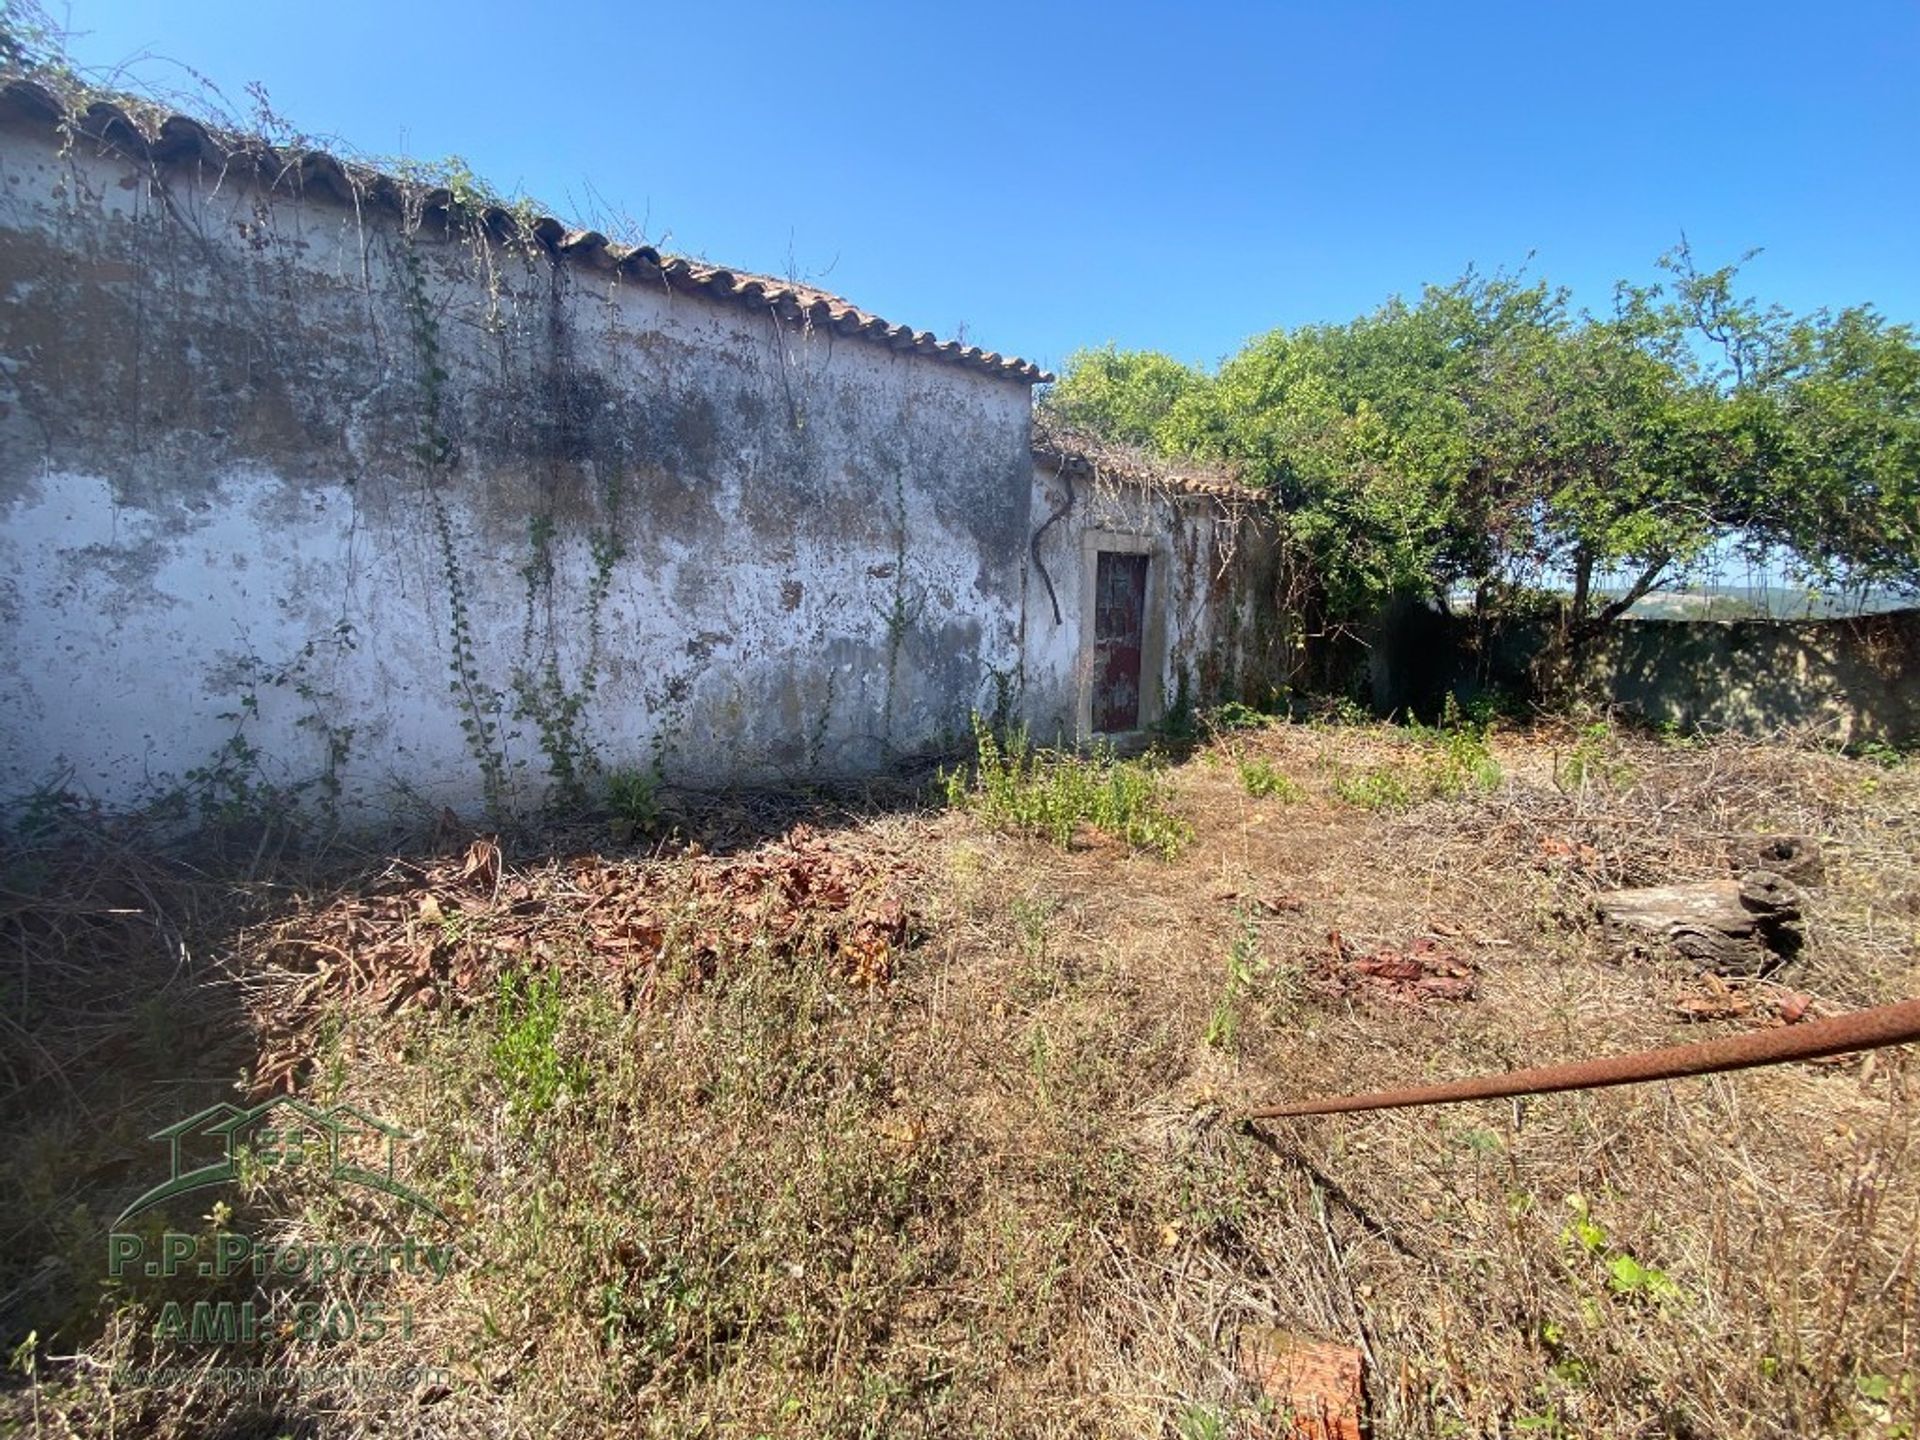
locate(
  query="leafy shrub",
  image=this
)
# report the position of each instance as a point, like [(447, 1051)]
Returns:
[(1260, 778), (1483, 710), (1879, 752), (1460, 761), (527, 1015), (634, 798), (1329, 711), (1051, 793), (1456, 758), (1233, 715)]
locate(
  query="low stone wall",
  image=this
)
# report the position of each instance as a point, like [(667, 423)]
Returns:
[(1856, 679)]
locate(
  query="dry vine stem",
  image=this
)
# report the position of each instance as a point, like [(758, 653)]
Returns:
[(1863, 1030)]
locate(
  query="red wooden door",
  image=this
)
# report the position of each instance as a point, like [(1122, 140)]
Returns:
[(1119, 628)]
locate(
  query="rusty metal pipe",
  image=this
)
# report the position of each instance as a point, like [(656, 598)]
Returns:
[(1863, 1030)]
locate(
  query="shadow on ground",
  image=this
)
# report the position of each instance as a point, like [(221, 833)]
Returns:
[(125, 1013)]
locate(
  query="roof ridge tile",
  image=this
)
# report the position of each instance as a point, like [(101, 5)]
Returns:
[(174, 138)]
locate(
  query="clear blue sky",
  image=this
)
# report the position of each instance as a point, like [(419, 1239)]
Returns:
[(1178, 177)]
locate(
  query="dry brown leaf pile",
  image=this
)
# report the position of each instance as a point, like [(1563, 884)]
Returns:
[(440, 933), (1708, 997)]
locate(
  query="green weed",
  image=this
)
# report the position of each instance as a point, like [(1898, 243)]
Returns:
[(1878, 1398), (1595, 762), (1381, 788), (1051, 794), (1449, 760), (1243, 966), (528, 1012), (1260, 778), (1202, 1422), (1878, 752), (1458, 758), (1234, 715), (1626, 1275), (634, 798)]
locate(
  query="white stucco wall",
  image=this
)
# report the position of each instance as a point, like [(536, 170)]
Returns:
[(214, 520)]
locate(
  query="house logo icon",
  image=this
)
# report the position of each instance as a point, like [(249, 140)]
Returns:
[(344, 1144)]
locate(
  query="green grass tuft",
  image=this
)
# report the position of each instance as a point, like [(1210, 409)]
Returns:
[(1262, 779), (1051, 794)]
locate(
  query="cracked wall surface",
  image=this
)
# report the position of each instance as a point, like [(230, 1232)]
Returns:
[(1214, 572), (265, 460)]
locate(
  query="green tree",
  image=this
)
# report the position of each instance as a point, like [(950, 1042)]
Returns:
[(1490, 438), (1842, 491), (1124, 395)]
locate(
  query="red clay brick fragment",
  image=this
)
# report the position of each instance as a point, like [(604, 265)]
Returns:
[(1317, 1387)]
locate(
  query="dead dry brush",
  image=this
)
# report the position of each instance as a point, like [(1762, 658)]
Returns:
[(910, 1126), (116, 1015), (1747, 1195)]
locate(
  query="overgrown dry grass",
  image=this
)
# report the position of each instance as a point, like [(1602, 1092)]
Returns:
[(726, 1180)]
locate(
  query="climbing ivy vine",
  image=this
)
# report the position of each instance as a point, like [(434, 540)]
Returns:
[(435, 452)]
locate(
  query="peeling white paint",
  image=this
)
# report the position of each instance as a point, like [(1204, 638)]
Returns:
[(214, 521), (1210, 571)]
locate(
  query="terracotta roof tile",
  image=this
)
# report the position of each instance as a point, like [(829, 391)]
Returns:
[(177, 139)]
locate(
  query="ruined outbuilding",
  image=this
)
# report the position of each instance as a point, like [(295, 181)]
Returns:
[(1150, 589), (318, 480)]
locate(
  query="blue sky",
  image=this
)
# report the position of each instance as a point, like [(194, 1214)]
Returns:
[(1049, 176)]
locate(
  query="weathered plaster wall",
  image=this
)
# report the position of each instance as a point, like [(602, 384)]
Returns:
[(1855, 680), (1212, 588), (290, 492)]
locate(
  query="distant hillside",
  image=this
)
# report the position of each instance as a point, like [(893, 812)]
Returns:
[(1782, 602)]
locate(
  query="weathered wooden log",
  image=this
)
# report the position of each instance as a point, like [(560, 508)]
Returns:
[(1795, 858), (1731, 927)]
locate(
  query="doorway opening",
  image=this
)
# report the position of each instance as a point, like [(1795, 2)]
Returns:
[(1119, 640)]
